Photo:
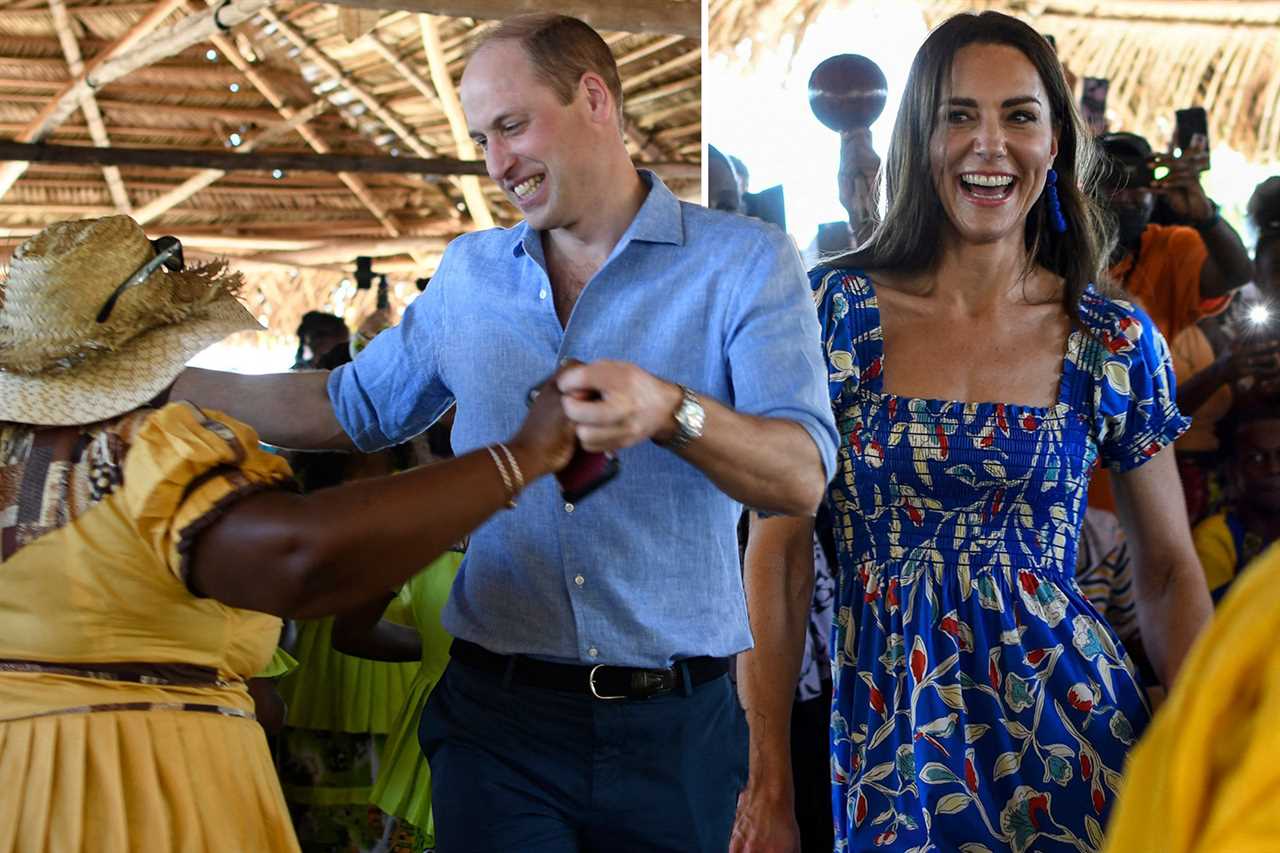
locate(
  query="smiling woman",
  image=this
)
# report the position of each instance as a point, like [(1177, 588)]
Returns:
[(977, 375)]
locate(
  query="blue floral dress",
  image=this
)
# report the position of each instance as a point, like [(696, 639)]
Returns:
[(981, 704)]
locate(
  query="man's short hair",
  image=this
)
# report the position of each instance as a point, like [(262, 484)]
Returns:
[(561, 49)]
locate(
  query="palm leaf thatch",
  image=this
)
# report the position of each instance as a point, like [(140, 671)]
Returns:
[(1160, 55)]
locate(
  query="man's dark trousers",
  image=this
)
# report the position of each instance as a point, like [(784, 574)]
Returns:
[(521, 768)]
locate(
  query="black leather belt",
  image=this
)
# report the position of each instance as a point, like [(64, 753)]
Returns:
[(600, 681)]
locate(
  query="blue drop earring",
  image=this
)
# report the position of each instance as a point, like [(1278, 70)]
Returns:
[(1056, 220)]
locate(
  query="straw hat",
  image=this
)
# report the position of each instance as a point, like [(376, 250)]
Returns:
[(67, 358)]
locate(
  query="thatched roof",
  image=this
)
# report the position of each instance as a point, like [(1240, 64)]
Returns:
[(366, 95), (1160, 55)]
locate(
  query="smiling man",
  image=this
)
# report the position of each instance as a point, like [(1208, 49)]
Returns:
[(587, 705)]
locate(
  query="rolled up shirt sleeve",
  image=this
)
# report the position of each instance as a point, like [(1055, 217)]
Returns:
[(773, 345), (395, 389)]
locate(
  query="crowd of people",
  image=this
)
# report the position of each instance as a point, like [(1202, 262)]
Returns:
[(998, 464)]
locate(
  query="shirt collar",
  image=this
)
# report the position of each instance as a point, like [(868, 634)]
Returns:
[(659, 220)]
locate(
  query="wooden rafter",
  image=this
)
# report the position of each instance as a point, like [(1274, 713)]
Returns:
[(142, 45), (470, 185), (206, 178), (452, 106), (330, 69), (88, 104), (681, 17), (196, 158), (268, 90)]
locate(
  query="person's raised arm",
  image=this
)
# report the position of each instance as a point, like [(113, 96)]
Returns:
[(290, 410), (325, 552), (1228, 266), (774, 450)]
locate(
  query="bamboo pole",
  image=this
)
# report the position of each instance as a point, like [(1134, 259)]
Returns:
[(682, 17), (68, 95), (88, 105), (326, 65), (197, 182), (264, 86)]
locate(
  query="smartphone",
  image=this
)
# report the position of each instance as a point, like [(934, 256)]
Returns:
[(1189, 123), (585, 473), (1093, 103)]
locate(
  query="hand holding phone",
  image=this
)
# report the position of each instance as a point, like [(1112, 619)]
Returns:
[(586, 471), (1191, 137)]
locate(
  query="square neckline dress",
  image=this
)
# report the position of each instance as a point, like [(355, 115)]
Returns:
[(980, 702)]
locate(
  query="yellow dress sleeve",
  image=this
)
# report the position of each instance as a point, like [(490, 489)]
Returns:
[(185, 466), (1217, 551), (1203, 777)]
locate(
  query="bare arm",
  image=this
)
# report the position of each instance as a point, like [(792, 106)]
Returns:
[(329, 550), (1172, 598), (1228, 266), (289, 410), (363, 633), (765, 463), (778, 575)]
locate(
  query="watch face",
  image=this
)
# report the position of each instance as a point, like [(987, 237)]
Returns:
[(691, 417)]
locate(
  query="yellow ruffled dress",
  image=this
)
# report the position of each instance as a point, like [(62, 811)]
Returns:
[(125, 722)]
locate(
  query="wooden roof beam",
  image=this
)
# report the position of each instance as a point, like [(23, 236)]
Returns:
[(342, 251), (195, 183), (268, 90), (230, 162), (326, 65), (678, 17), (88, 104), (142, 45), (449, 101)]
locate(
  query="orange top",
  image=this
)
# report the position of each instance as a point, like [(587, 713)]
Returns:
[(1164, 280), (1192, 353)]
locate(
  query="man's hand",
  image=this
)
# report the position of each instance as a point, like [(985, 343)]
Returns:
[(764, 823), (615, 404)]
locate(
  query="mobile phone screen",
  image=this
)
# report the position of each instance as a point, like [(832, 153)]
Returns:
[(1190, 122)]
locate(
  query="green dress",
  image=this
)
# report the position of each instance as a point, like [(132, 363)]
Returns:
[(403, 787), (340, 709)]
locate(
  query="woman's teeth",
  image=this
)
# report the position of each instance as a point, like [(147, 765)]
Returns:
[(988, 186), (529, 187)]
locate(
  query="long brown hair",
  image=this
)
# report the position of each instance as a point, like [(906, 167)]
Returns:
[(908, 237)]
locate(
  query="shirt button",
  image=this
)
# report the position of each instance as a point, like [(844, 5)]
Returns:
[(593, 652), (542, 294), (568, 507), (579, 580)]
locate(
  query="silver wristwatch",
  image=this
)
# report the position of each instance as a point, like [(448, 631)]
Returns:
[(690, 418)]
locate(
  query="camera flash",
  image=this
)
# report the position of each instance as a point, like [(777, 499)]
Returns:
[(1259, 315)]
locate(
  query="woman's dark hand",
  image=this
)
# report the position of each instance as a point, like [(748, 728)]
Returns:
[(546, 440), (1259, 359)]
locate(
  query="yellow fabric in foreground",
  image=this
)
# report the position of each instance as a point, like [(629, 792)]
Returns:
[(1206, 777), (108, 588)]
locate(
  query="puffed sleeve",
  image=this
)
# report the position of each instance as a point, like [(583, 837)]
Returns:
[(834, 296), (1135, 397), (186, 465)]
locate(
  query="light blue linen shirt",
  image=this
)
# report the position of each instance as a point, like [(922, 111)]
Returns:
[(645, 570)]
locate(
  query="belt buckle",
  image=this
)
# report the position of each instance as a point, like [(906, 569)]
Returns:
[(591, 682)]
